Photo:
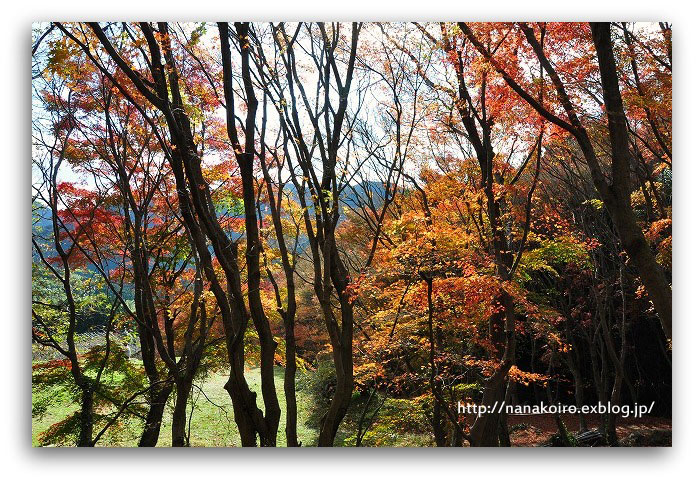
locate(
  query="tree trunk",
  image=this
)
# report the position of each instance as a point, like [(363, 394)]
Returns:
[(341, 337), (503, 430), (437, 423), (619, 192), (86, 417), (574, 367), (437, 420), (612, 438), (183, 388), (577, 381), (153, 421), (245, 160), (289, 384), (484, 431), (243, 401), (258, 316), (343, 361)]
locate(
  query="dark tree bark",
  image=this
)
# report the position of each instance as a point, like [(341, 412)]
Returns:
[(183, 388), (437, 420), (245, 159), (288, 312), (618, 195), (615, 195), (331, 277), (153, 421), (198, 213), (86, 417)]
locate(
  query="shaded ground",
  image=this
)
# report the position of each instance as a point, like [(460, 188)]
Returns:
[(212, 423), (535, 430), (397, 424)]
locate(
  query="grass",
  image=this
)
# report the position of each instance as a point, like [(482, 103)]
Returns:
[(399, 422), (212, 422), (59, 409)]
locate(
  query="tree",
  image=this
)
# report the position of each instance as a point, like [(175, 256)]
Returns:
[(614, 193)]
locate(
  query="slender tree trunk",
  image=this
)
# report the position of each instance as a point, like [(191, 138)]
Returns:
[(618, 202), (245, 160), (577, 381), (86, 417), (341, 336), (437, 422), (503, 430), (183, 389), (572, 359), (343, 361), (612, 438), (155, 412), (289, 383), (243, 400), (484, 431), (602, 390), (437, 419), (258, 316)]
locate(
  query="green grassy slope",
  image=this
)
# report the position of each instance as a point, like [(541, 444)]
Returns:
[(213, 424)]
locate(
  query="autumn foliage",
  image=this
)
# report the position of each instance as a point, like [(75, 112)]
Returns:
[(408, 215)]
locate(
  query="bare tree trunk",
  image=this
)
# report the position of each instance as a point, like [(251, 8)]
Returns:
[(577, 382), (484, 431), (503, 430), (258, 316), (618, 202), (437, 419), (245, 160), (183, 389), (289, 383), (243, 399), (570, 358), (343, 361), (86, 417), (153, 421)]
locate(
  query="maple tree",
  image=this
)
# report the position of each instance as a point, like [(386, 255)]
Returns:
[(428, 212)]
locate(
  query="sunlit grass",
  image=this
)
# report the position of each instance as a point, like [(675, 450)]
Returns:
[(212, 423)]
